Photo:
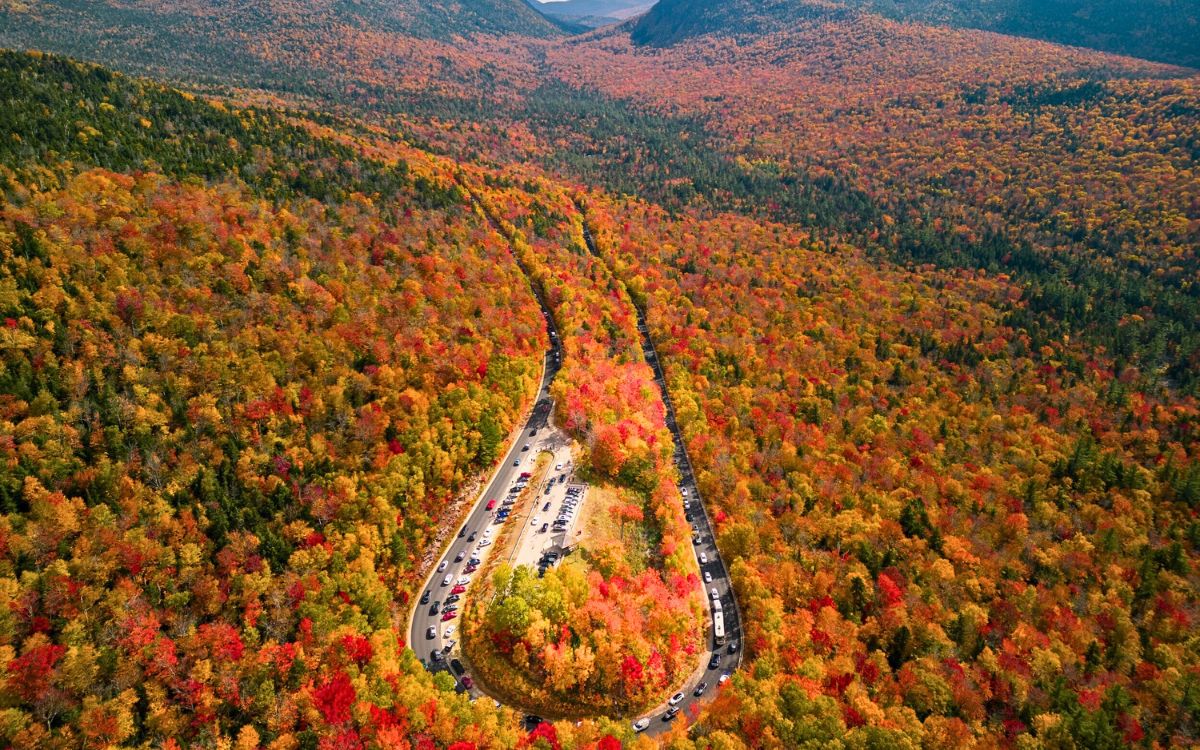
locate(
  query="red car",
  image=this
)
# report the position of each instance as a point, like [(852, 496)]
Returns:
[(470, 569), (458, 589), (467, 682), (525, 475), (491, 505), (449, 616)]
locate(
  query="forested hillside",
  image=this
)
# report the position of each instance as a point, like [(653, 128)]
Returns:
[(1166, 32), (926, 298)]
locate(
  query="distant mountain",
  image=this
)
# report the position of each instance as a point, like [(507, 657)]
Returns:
[(1160, 30), (594, 13), (299, 45)]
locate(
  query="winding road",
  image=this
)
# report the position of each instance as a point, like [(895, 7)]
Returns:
[(428, 626)]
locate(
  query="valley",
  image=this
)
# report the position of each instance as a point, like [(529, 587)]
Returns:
[(703, 375)]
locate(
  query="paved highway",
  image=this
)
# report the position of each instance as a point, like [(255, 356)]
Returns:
[(433, 634), (729, 655)]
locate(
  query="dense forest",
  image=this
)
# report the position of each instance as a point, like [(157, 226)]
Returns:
[(926, 300)]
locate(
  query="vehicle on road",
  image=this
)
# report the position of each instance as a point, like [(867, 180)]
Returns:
[(459, 557), (472, 537), (446, 581), (517, 462), (707, 577), (462, 531), (699, 691), (703, 559), (467, 682), (431, 633), (715, 661), (544, 528), (470, 568), (640, 725), (491, 504), (435, 607), (733, 647), (695, 539), (425, 597), (714, 593), (525, 447), (671, 713), (547, 492), (442, 565), (474, 560), (676, 699), (546, 507), (683, 491)]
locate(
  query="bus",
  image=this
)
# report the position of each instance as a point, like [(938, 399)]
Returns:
[(718, 628)]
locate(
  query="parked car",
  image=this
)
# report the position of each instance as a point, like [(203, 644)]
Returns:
[(558, 467), (436, 655), (546, 507), (724, 678), (452, 598), (640, 725), (458, 589), (714, 593), (676, 699), (733, 647), (461, 532), (671, 713), (485, 542), (474, 560), (525, 447), (545, 527), (467, 682)]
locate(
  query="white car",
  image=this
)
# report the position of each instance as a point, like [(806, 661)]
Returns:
[(446, 581), (483, 543), (487, 531), (723, 679), (707, 577), (558, 467), (536, 520), (683, 491), (676, 699), (449, 631), (715, 594), (464, 580), (703, 559), (442, 565), (640, 725)]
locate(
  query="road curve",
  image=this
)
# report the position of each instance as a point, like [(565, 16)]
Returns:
[(698, 515), (535, 430), (467, 539)]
